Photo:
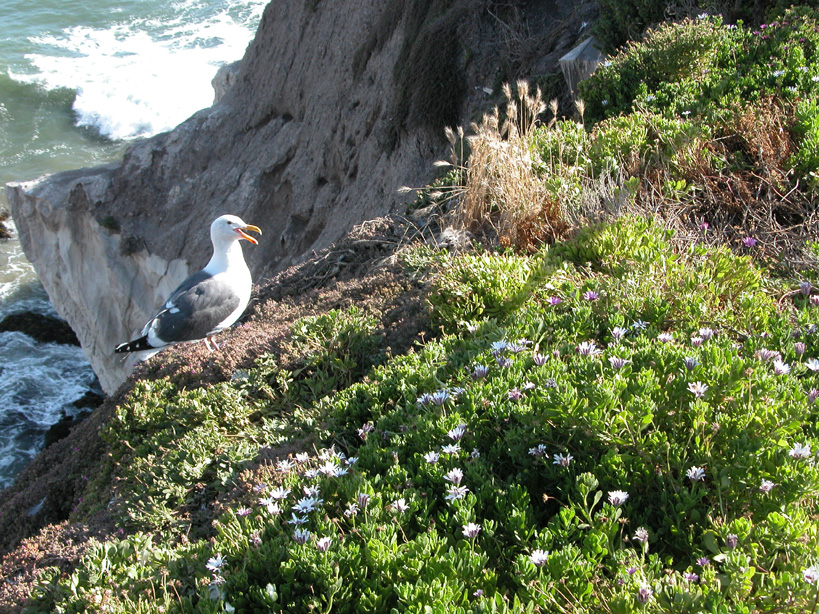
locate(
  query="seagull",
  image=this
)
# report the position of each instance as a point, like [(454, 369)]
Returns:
[(208, 301)]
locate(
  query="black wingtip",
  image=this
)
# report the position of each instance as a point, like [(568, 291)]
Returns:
[(137, 345)]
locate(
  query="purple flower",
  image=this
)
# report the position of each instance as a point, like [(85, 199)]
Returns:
[(698, 389), (588, 348), (811, 574), (706, 333), (644, 593), (618, 362), (704, 226), (323, 544), (363, 499), (452, 448), (480, 371), (731, 540), (503, 362), (307, 505), (300, 536), (457, 433), (514, 395), (799, 451), (297, 520), (813, 395), (280, 493), (781, 368), (766, 486), (665, 337), (243, 511), (539, 557), (215, 564), (540, 359), (695, 474), (814, 300), (456, 492), (805, 288), (471, 530), (799, 348), (690, 576), (749, 241), (352, 510), (284, 465), (618, 332), (591, 295), (812, 364), (455, 476), (365, 429), (765, 355), (696, 341), (703, 561), (617, 497), (400, 505), (440, 397), (554, 300), (539, 451), (562, 460), (519, 346), (690, 362), (641, 535), (499, 347), (432, 457), (272, 506)]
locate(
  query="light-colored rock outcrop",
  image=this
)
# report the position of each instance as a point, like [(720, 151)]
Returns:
[(334, 107)]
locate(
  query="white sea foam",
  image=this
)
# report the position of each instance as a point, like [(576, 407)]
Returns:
[(39, 383), (142, 77)]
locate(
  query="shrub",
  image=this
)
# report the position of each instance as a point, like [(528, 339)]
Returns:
[(703, 68)]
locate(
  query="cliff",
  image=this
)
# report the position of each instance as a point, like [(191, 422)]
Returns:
[(333, 108)]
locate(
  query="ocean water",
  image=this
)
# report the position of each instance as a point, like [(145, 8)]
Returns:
[(79, 80)]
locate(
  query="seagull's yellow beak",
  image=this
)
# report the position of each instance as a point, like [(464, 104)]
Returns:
[(252, 228)]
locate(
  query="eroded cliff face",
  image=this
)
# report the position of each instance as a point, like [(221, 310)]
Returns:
[(334, 107)]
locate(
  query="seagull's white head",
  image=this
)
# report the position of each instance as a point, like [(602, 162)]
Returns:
[(229, 228)]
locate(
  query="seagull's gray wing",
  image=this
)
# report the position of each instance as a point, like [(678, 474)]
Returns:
[(196, 309)]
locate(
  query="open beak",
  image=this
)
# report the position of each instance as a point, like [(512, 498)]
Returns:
[(252, 228)]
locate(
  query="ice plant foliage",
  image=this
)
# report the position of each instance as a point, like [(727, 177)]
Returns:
[(639, 420)]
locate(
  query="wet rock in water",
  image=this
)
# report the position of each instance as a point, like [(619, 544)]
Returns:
[(87, 402), (45, 329)]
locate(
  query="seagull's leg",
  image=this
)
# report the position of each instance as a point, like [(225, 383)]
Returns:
[(212, 345)]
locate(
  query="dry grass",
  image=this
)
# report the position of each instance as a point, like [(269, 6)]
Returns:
[(503, 190)]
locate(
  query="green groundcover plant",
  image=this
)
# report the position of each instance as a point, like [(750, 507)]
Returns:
[(611, 424), (707, 74)]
